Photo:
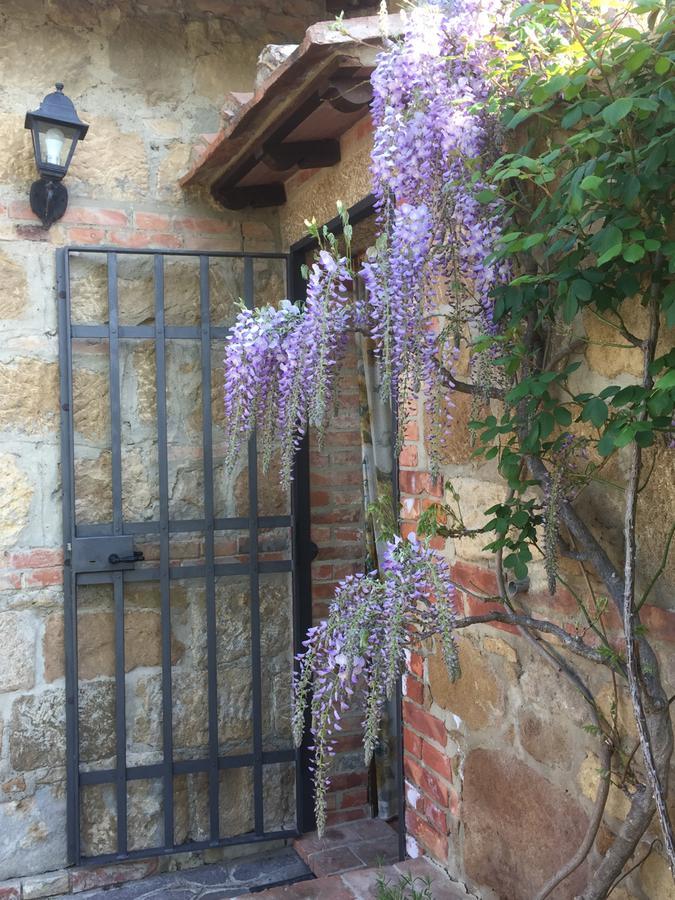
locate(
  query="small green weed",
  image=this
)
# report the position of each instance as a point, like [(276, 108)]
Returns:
[(407, 888)]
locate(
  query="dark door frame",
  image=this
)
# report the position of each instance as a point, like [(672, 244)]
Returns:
[(298, 286), (86, 560)]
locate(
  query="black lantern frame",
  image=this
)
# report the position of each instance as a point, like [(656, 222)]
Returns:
[(55, 128)]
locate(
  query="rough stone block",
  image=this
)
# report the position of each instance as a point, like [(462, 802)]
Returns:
[(477, 697), (17, 493), (17, 660), (29, 396), (45, 885), (505, 803), (14, 294), (37, 731)]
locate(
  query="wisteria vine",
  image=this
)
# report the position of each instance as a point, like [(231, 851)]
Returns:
[(431, 265), (432, 261), (361, 647)]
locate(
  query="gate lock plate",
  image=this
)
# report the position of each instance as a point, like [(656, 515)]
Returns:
[(105, 554)]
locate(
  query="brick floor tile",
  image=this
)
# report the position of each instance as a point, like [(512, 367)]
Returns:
[(336, 859), (382, 852)]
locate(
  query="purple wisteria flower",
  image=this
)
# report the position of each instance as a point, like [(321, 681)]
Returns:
[(361, 648)]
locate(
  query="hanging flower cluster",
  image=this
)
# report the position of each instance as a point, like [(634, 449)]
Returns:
[(373, 620), (432, 140), (280, 364)]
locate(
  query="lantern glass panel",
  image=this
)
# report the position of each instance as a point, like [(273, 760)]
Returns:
[(54, 142)]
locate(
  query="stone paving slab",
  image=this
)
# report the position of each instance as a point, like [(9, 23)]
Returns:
[(361, 884), (234, 878)]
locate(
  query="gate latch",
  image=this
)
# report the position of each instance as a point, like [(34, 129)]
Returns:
[(106, 553), (136, 556)]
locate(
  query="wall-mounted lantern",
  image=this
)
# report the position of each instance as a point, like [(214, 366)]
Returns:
[(56, 129)]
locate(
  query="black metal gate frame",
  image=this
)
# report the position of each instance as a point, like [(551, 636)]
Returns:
[(75, 574)]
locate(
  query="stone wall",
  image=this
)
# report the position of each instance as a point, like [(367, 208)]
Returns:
[(500, 773), (149, 79)]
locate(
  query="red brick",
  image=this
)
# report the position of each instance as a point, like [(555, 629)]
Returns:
[(9, 580), (475, 607), (342, 781), (436, 815), (44, 577), (20, 209), (337, 478), (414, 689), (412, 743), (349, 741), (347, 815), (320, 498), (424, 722), (86, 235), (151, 221), (413, 770), (439, 762), (409, 455), (354, 797), (435, 843), (337, 515), (342, 570), (408, 529), (348, 534), (433, 484), (411, 482), (416, 664), (477, 578), (143, 239), (433, 787), (202, 225), (82, 215), (412, 432), (10, 891), (85, 879), (323, 572), (32, 232), (323, 591), (341, 551), (35, 559)]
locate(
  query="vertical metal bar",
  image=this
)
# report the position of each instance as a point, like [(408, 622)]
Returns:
[(254, 590), (211, 635), (164, 549), (69, 586), (118, 577), (400, 774), (120, 715), (302, 577)]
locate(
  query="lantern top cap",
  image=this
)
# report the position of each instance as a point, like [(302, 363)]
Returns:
[(58, 108)]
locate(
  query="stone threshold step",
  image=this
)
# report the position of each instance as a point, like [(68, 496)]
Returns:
[(362, 883)]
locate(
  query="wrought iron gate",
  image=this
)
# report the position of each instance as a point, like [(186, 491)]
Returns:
[(185, 596)]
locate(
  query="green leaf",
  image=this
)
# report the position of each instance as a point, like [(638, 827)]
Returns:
[(581, 289), (666, 382), (570, 307), (563, 416), (617, 111), (633, 253), (606, 444), (591, 183), (661, 65), (609, 254), (637, 58), (595, 411)]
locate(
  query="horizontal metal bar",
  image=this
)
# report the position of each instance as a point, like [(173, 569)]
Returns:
[(147, 332), (151, 251), (191, 847), (187, 767), (176, 526), (179, 573)]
